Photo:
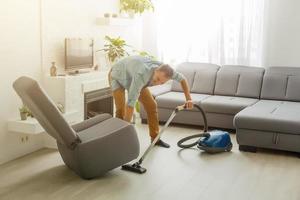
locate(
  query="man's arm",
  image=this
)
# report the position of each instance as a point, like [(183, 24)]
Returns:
[(186, 90)]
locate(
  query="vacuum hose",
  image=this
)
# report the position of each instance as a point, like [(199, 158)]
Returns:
[(204, 134)]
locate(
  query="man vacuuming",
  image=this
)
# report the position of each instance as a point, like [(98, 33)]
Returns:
[(135, 74)]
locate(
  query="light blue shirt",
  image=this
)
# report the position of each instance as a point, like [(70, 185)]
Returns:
[(134, 73)]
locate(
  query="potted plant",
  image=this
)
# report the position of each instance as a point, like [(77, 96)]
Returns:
[(115, 48), (23, 112), (135, 6)]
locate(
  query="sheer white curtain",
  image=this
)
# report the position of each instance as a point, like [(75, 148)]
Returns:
[(214, 31)]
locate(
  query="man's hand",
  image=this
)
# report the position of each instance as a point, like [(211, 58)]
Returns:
[(189, 104)]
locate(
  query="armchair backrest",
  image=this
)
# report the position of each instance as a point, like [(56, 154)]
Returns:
[(45, 111)]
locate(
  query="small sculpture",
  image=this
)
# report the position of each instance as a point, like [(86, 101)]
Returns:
[(53, 70)]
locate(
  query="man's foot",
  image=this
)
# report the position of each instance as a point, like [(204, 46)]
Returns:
[(162, 144)]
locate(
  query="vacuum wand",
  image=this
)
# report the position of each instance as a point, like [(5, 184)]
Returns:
[(136, 167), (160, 133)]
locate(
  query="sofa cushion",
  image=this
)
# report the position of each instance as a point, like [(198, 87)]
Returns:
[(281, 83), (226, 104), (188, 69), (204, 82), (270, 115), (236, 80), (173, 99), (281, 87), (226, 83), (249, 85), (293, 88)]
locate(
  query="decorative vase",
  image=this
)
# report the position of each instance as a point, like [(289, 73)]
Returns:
[(23, 116), (53, 70), (106, 15)]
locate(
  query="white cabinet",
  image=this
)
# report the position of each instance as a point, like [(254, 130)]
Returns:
[(69, 90)]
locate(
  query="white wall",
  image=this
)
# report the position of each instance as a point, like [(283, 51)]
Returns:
[(19, 55), (283, 31), (65, 18), (31, 37)]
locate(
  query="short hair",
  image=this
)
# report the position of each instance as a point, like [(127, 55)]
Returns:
[(167, 69)]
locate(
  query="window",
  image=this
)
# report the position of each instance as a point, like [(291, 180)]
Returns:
[(214, 31)]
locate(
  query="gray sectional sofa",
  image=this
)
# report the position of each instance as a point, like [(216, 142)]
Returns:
[(263, 105)]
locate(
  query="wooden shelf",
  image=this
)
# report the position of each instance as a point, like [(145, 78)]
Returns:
[(32, 126), (110, 21)]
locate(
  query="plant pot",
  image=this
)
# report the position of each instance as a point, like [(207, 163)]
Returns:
[(137, 107), (23, 116)]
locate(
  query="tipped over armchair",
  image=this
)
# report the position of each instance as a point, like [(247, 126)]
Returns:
[(90, 148)]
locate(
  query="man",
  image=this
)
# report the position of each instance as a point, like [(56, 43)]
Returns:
[(135, 74)]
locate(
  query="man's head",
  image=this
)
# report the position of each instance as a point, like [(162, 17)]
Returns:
[(162, 74)]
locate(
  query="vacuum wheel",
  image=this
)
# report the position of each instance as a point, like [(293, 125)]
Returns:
[(229, 148)]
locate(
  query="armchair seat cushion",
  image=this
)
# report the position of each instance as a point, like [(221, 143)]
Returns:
[(90, 122), (103, 147), (100, 130)]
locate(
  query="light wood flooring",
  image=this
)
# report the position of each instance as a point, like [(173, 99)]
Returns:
[(173, 174)]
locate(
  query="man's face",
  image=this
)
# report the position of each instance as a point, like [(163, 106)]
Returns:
[(159, 78)]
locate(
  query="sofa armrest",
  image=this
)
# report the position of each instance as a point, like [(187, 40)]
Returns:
[(160, 89), (90, 122)]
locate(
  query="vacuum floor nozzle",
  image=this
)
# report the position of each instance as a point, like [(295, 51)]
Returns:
[(134, 168)]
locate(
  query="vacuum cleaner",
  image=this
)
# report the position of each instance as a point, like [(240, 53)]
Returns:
[(212, 142)]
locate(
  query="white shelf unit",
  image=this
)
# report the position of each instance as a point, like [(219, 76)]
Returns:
[(110, 21), (32, 126)]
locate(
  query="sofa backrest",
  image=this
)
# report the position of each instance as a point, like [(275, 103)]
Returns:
[(237, 80), (200, 77), (281, 83)]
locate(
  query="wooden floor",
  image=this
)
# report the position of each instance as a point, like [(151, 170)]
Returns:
[(172, 174)]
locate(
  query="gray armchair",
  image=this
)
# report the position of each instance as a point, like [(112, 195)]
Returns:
[(90, 148)]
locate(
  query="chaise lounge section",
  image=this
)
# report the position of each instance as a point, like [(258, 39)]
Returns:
[(274, 121)]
